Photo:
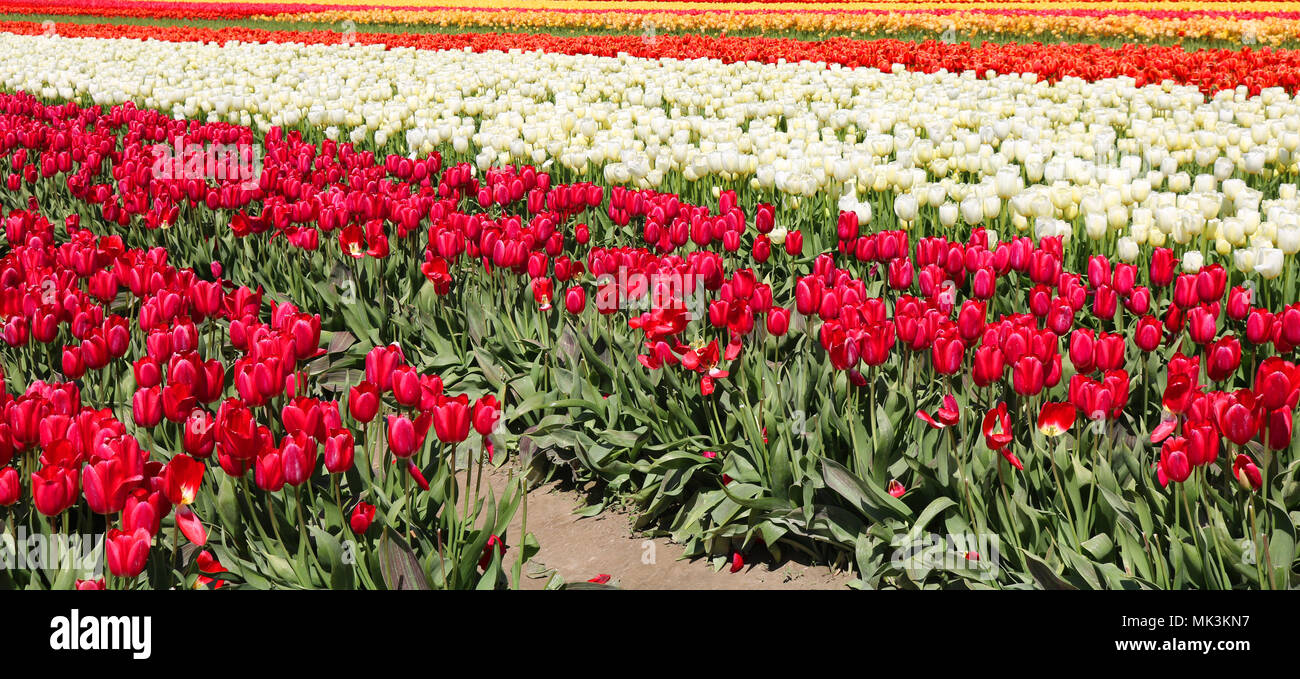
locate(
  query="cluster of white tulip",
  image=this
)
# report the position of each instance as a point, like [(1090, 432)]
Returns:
[(1143, 164)]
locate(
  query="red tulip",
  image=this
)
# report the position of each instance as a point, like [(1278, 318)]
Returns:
[(895, 488), (1055, 419), (362, 515), (575, 299), (778, 321), (1247, 474), (128, 553), (406, 436), (363, 402), (1027, 376), (1148, 333), (10, 486), (380, 364), (451, 419), (1222, 358), (1174, 464), (340, 449)]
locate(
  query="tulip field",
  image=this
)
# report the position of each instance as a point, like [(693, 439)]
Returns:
[(282, 289)]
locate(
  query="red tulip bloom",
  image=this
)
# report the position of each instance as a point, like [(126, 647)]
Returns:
[(1028, 376), (487, 412), (1148, 333), (778, 321), (363, 402), (794, 243), (1202, 443), (1201, 324), (1247, 474), (1222, 358), (298, 455), (406, 436), (1162, 266), (10, 486), (451, 419), (340, 449), (362, 516), (1055, 419), (128, 552), (147, 407), (1279, 429), (575, 299), (380, 364), (54, 489), (1174, 464), (895, 488)]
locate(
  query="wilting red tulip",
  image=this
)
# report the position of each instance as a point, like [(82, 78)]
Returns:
[(183, 475), (895, 488), (128, 553), (997, 428), (1055, 419), (1247, 474), (947, 415), (416, 474), (191, 526), (494, 545), (362, 515), (363, 402)]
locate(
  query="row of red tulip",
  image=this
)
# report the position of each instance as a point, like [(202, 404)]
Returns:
[(1211, 70)]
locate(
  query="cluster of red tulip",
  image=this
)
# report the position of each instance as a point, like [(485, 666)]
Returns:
[(515, 222)]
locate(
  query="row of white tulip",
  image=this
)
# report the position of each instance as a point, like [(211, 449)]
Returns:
[(1161, 163)]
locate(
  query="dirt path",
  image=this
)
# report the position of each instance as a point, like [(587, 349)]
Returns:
[(583, 548)]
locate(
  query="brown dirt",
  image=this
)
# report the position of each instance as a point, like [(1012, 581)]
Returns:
[(582, 548)]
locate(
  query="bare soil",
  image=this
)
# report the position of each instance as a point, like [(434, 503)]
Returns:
[(583, 548)]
